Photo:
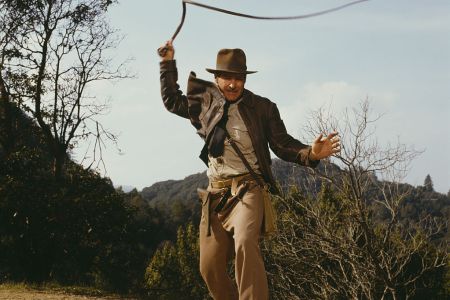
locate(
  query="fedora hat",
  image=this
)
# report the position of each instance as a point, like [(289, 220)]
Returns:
[(230, 61)]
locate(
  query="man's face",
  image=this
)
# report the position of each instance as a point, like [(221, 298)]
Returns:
[(231, 85)]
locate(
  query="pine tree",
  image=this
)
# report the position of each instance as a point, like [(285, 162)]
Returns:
[(428, 184), (173, 272)]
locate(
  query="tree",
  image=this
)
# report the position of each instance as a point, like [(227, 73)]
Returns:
[(50, 58), (173, 270), (336, 247), (428, 183), (10, 25), (78, 230), (309, 258)]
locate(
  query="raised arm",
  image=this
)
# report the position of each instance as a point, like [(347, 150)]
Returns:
[(173, 98)]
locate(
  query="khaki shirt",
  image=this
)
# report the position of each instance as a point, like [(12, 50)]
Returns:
[(230, 164)]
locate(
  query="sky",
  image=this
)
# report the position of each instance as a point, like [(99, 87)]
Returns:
[(396, 54)]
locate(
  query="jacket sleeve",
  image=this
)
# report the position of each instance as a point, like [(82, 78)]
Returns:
[(173, 98), (283, 144)]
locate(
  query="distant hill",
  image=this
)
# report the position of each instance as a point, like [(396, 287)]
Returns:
[(420, 201), (185, 190), (125, 188)]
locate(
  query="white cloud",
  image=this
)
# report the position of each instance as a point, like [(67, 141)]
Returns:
[(337, 95)]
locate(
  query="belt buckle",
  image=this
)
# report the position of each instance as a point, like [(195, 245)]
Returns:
[(220, 184)]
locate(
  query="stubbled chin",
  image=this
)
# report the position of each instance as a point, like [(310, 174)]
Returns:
[(232, 97)]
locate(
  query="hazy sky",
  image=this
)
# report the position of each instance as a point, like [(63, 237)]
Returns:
[(395, 53)]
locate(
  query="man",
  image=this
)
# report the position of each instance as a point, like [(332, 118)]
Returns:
[(224, 112)]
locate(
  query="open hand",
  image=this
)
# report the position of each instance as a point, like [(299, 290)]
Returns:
[(324, 147)]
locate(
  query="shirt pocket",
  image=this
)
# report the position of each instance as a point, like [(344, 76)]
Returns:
[(237, 131), (239, 134)]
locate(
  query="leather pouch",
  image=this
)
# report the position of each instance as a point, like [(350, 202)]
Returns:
[(231, 202), (270, 215)]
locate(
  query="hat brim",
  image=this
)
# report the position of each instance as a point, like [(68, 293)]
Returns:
[(214, 71)]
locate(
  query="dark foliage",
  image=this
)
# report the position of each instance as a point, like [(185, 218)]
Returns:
[(74, 230)]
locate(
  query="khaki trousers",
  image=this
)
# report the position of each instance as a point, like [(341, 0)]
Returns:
[(238, 235)]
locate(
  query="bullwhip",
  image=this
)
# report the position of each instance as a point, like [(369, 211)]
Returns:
[(162, 50)]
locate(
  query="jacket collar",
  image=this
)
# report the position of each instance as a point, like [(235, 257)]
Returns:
[(197, 85), (248, 99)]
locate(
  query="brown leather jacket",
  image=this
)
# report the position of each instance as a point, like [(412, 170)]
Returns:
[(203, 106)]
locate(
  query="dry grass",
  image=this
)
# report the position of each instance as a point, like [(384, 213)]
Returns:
[(18, 291)]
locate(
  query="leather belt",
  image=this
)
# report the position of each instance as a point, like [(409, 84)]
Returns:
[(226, 183)]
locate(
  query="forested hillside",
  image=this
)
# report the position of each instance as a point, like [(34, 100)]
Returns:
[(421, 200), (80, 230)]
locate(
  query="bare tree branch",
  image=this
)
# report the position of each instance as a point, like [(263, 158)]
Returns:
[(331, 246), (61, 51)]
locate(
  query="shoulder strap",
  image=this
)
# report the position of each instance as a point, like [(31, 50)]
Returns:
[(244, 160)]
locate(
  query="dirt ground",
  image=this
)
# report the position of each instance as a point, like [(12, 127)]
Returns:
[(44, 295)]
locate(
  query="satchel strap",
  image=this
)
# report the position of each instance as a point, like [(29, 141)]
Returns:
[(257, 178)]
